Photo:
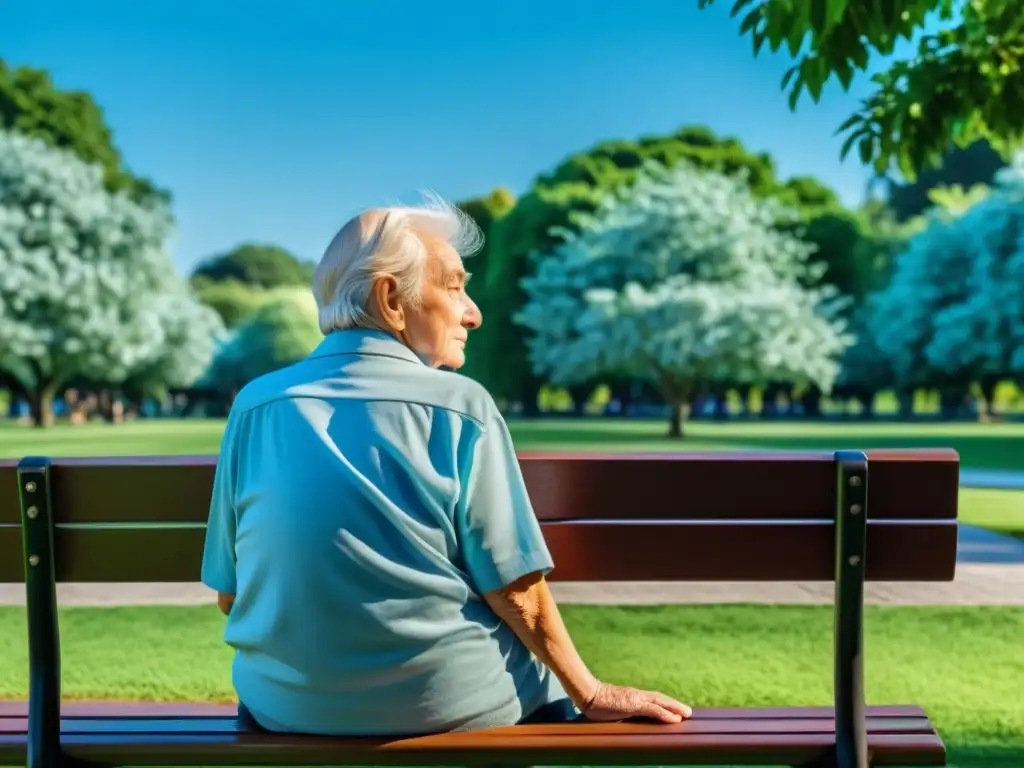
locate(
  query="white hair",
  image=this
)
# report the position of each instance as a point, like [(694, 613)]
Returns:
[(384, 241)]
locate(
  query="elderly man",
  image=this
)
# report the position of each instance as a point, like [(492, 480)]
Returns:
[(370, 534)]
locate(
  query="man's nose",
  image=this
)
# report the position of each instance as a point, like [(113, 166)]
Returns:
[(472, 317)]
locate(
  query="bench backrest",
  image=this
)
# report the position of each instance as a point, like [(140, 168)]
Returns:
[(656, 517)]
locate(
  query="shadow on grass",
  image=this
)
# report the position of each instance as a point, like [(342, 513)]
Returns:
[(1016, 533)]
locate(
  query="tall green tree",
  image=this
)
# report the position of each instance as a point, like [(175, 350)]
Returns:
[(966, 81), (279, 333), (552, 207), (967, 168), (254, 264), (483, 351), (233, 300), (31, 104)]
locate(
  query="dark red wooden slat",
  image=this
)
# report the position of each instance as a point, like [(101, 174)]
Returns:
[(226, 725), (734, 552), (914, 483), (478, 748), (71, 709), (108, 708), (582, 551)]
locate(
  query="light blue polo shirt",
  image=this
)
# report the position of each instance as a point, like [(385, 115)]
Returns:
[(363, 502)]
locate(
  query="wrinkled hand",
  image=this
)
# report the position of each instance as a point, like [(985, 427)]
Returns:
[(616, 702)]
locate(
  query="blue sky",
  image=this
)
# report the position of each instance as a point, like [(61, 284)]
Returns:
[(274, 122)]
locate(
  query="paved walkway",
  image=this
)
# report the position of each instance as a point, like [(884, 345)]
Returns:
[(990, 571)]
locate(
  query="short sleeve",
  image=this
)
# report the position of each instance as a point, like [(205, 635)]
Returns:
[(499, 535), (218, 571)]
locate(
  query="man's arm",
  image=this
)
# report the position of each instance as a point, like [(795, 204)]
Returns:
[(224, 602), (529, 609), (507, 558)]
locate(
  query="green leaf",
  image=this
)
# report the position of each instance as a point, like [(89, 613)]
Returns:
[(795, 39), (844, 72), (850, 140), (859, 54), (836, 9), (759, 38), (794, 95), (738, 6), (849, 122), (778, 27), (750, 21), (865, 148), (789, 75), (820, 19), (814, 73)]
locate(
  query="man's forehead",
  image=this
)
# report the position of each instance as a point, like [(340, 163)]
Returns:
[(444, 258)]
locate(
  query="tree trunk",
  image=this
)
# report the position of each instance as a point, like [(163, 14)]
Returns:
[(811, 400), (531, 397), (906, 404), (987, 385), (675, 424), (744, 393), (41, 405), (580, 394), (622, 391), (867, 404), (106, 405)]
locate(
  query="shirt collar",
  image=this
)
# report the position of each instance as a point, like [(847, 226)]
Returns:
[(359, 341)]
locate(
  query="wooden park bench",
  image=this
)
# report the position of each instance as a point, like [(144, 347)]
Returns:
[(845, 517)]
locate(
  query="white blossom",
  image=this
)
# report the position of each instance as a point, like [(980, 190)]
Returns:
[(86, 285), (954, 309), (683, 279)]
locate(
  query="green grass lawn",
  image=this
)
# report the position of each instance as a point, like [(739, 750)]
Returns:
[(982, 446), (964, 665)]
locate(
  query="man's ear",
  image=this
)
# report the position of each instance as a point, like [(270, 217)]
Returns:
[(385, 303)]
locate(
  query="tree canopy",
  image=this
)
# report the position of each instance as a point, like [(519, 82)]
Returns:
[(682, 280), (86, 285), (964, 83), (952, 314), (484, 355), (256, 265), (280, 332), (551, 209), (32, 105), (965, 168)]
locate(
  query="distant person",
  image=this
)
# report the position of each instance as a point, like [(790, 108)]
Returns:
[(370, 534)]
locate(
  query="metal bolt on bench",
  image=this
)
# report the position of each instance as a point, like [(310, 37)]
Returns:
[(745, 517)]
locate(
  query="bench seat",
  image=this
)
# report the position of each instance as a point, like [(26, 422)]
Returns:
[(846, 517), (209, 734)]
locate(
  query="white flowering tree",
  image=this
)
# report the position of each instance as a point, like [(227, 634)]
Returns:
[(186, 335), (953, 314), (684, 280), (86, 286)]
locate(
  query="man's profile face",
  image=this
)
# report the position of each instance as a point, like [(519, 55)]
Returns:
[(438, 326)]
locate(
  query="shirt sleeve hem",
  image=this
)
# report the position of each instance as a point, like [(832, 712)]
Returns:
[(227, 586), (507, 571)]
